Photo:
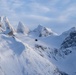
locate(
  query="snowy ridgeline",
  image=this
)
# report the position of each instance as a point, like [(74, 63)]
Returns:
[(40, 31), (7, 28), (37, 52)]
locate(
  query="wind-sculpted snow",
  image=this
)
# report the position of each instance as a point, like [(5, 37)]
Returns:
[(18, 58), (14, 44)]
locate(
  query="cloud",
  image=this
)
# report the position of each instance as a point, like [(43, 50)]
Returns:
[(68, 14), (38, 8), (40, 18), (34, 12)]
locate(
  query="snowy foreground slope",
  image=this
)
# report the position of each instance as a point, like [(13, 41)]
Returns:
[(17, 58), (37, 52)]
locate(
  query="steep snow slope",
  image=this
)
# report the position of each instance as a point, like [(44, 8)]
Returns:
[(60, 50), (67, 54), (17, 58), (41, 31), (64, 54)]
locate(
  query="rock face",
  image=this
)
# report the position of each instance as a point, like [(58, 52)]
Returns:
[(68, 44), (22, 28), (41, 31), (70, 41)]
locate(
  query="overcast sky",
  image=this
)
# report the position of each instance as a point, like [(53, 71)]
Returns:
[(59, 15)]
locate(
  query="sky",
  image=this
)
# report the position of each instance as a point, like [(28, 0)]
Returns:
[(59, 15)]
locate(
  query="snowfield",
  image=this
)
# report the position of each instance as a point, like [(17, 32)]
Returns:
[(37, 52), (19, 58)]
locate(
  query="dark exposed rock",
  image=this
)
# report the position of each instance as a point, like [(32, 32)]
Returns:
[(70, 41), (40, 47), (58, 72)]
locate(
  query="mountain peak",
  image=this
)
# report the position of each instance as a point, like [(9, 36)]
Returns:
[(39, 26), (66, 33), (8, 27), (73, 29), (43, 31), (22, 28), (69, 38), (20, 23)]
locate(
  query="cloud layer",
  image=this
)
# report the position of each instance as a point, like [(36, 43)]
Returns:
[(51, 13)]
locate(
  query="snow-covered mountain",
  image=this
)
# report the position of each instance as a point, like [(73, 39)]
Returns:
[(41, 31), (67, 52), (36, 55), (5, 26), (8, 27), (60, 50), (22, 28)]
